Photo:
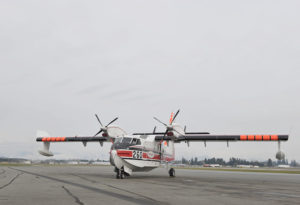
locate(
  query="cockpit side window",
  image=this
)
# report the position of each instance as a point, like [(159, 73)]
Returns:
[(126, 140), (119, 139), (125, 143), (134, 140)]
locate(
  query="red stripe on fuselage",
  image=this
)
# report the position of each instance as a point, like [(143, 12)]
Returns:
[(124, 153), (146, 156), (129, 154)]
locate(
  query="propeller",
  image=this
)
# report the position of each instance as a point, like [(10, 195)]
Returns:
[(103, 128), (169, 127)]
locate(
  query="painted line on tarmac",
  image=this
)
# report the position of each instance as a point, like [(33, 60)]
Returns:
[(120, 189), (98, 190), (11, 181), (77, 200)]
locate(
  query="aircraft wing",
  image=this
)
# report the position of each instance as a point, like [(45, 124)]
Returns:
[(204, 137), (47, 140), (161, 133), (72, 139)]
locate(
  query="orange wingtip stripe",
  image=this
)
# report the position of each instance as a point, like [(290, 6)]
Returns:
[(250, 137), (63, 139), (266, 137), (258, 137), (44, 139), (274, 137), (243, 137), (58, 139), (48, 139)]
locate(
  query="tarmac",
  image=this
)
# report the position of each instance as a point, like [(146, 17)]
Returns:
[(83, 185)]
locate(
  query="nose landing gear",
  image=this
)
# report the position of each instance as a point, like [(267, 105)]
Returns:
[(120, 174), (172, 172)]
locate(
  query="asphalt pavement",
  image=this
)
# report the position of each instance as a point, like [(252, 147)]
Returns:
[(56, 185)]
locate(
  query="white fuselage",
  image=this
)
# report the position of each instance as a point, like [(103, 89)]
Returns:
[(140, 153)]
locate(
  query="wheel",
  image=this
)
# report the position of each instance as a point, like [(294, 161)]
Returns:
[(172, 172), (122, 175), (117, 173)]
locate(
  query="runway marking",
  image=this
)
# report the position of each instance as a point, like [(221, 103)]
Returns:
[(72, 195), (11, 181), (102, 191)]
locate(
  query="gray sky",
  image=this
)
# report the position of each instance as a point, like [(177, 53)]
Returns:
[(232, 67)]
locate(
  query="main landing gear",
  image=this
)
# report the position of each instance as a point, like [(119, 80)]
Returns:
[(172, 172), (120, 174)]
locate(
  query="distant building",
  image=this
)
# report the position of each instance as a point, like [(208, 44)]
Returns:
[(284, 166), (72, 162), (211, 165), (101, 163), (83, 162), (244, 166)]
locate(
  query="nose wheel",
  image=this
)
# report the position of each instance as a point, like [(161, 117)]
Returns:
[(120, 174), (172, 172)]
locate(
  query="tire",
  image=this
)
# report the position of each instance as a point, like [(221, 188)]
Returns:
[(122, 176), (172, 172), (117, 173)]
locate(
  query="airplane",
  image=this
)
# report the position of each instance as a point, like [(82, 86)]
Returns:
[(140, 152)]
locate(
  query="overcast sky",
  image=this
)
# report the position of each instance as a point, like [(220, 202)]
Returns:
[(232, 67)]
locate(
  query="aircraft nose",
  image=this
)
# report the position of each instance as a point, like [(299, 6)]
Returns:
[(112, 157)]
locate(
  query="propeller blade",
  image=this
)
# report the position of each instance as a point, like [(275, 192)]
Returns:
[(162, 139), (98, 133), (98, 120), (160, 121), (111, 121), (171, 118), (175, 116)]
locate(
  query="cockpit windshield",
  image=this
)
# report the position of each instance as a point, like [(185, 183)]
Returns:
[(125, 142)]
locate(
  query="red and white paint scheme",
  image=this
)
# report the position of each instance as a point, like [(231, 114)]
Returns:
[(145, 151)]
